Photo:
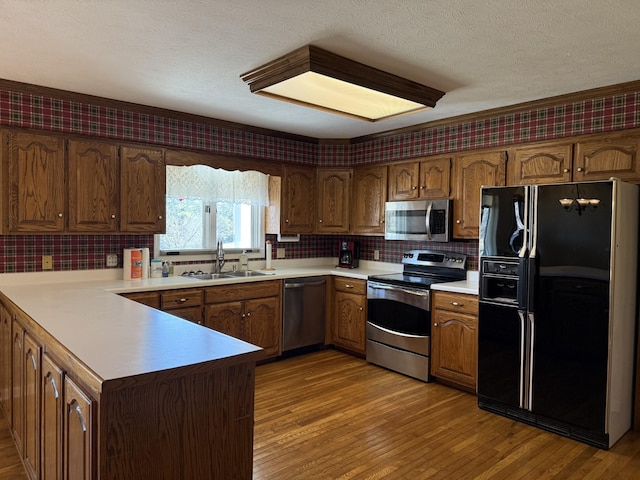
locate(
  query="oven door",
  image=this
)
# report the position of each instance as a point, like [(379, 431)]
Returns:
[(399, 316)]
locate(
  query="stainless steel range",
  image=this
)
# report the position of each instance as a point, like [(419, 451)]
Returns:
[(399, 310)]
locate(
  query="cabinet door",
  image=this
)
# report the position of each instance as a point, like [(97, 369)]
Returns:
[(17, 386), (142, 190), (78, 419), (263, 325), (548, 163), (607, 156), (472, 171), (454, 350), (5, 362), (368, 199), (51, 428), (334, 195), (435, 178), (225, 318), (349, 321), (404, 180), (94, 204), (298, 200), (36, 183), (31, 438)]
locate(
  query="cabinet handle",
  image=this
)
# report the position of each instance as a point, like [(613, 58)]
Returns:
[(361, 308), (286, 221), (182, 300), (435, 324), (580, 169), (33, 360), (60, 215), (320, 221), (348, 285), (159, 217), (458, 222), (456, 304), (566, 170), (414, 187), (243, 315), (421, 187), (248, 314), (78, 410), (113, 215)]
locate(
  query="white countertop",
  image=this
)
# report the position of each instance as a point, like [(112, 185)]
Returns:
[(116, 337), (468, 286)]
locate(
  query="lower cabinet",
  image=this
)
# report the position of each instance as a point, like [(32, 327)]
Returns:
[(184, 303), (454, 339), (251, 312), (51, 426), (350, 314), (77, 421)]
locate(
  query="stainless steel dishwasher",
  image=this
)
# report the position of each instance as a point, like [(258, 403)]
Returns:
[(303, 322)]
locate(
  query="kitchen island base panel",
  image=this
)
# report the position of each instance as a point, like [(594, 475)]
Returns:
[(180, 427)]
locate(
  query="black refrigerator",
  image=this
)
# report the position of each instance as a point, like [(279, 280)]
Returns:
[(557, 306)]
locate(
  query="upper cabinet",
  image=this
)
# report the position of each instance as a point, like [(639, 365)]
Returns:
[(94, 173), (142, 191), (604, 156), (298, 200), (421, 179), (334, 200), (471, 172), (368, 199), (87, 187), (540, 163), (34, 190)]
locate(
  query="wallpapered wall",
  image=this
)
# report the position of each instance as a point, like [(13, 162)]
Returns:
[(23, 253)]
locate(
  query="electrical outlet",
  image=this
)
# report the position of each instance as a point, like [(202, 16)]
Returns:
[(47, 262), (112, 260), (376, 254), (280, 253)]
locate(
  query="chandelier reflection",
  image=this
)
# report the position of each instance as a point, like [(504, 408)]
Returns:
[(579, 204)]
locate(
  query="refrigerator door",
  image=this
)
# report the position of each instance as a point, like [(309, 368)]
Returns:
[(503, 218), (570, 282)]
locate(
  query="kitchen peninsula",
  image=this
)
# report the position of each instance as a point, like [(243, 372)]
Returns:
[(112, 389)]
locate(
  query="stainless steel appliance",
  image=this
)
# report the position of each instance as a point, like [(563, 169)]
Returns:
[(421, 220), (557, 306), (349, 255), (303, 316), (399, 310)]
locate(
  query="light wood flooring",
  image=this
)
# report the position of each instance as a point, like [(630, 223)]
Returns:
[(329, 415)]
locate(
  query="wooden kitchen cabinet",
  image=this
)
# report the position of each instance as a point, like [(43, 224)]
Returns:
[(334, 200), (142, 190), (78, 440), (17, 386), (150, 299), (603, 156), (454, 339), (471, 172), (6, 352), (421, 179), (34, 189), (184, 303), (251, 312), (32, 396), (94, 195), (350, 314), (298, 200), (51, 438), (550, 162), (368, 200)]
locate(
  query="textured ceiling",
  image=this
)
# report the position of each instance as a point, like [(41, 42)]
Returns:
[(188, 55)]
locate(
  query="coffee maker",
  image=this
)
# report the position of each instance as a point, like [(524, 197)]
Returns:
[(349, 254)]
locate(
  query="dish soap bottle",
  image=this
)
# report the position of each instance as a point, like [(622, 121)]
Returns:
[(165, 269)]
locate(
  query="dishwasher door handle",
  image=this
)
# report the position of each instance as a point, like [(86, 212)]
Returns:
[(300, 285)]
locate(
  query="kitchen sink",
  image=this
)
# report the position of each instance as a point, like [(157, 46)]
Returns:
[(245, 273), (206, 276)]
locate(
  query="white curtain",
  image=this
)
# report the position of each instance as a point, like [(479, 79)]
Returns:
[(217, 185)]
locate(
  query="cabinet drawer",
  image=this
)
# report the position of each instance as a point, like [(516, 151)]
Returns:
[(350, 285), (151, 299), (458, 302), (244, 291), (181, 298), (193, 314)]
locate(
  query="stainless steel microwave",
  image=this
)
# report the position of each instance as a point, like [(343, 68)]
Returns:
[(421, 220)]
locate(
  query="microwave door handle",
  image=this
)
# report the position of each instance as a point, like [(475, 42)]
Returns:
[(427, 220)]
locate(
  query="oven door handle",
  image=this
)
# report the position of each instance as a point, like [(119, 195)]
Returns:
[(394, 332), (410, 292)]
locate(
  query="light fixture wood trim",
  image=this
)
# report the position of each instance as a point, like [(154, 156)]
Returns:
[(314, 59)]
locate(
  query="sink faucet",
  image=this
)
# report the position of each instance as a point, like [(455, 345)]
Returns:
[(219, 258)]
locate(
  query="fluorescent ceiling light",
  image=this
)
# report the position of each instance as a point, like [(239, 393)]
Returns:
[(319, 79)]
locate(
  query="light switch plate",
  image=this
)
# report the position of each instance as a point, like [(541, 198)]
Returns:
[(280, 253), (112, 260), (376, 254)]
